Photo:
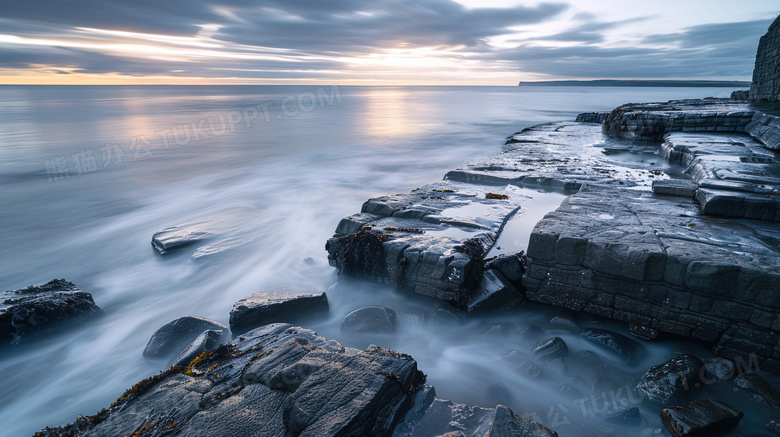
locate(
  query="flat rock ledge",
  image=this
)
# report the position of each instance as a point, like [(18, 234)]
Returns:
[(282, 380), (38, 309), (657, 263)]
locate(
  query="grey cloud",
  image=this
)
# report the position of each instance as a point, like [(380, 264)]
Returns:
[(714, 34), (385, 23)]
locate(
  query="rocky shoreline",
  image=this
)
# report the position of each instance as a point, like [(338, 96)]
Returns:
[(670, 227), (636, 241)]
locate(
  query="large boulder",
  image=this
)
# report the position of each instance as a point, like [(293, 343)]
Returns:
[(673, 380), (174, 335), (277, 306), (705, 418), (276, 380), (37, 309)]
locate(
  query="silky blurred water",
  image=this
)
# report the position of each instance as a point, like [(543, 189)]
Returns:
[(86, 180)]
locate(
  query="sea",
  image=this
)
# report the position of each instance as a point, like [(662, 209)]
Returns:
[(88, 174)]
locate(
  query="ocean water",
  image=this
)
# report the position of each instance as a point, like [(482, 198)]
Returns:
[(89, 174)]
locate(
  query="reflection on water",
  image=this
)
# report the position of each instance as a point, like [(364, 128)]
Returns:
[(292, 178)]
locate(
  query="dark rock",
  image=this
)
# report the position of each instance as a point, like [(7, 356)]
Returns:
[(764, 86), (628, 416), (550, 349), (740, 95), (174, 335), (507, 424), (587, 360), (495, 331), (650, 121), (276, 380), (447, 315), (643, 331), (563, 321), (602, 385), (675, 187), (705, 418), (655, 262), (512, 357), (176, 237), (758, 389), (275, 306), (718, 369), (619, 344), (592, 117), (38, 309), (206, 341), (530, 332), (371, 319), (494, 294), (510, 265), (529, 370), (673, 380)]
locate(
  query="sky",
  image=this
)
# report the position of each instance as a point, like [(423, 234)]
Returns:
[(376, 42)]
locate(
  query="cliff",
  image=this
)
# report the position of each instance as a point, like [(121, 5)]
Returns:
[(766, 75)]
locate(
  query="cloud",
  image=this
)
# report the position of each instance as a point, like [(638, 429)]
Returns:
[(721, 50), (352, 27)]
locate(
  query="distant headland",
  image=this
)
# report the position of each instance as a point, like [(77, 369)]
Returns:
[(642, 83)]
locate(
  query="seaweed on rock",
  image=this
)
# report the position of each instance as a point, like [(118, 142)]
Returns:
[(361, 254)]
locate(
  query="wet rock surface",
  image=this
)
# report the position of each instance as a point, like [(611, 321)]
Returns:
[(38, 309), (736, 175), (673, 380), (657, 263), (433, 240), (284, 380), (758, 389), (628, 349), (206, 341), (174, 335), (651, 121), (701, 418), (546, 351), (277, 306)]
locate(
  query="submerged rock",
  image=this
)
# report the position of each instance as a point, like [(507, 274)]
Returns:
[(619, 344), (371, 319), (548, 350), (718, 369), (671, 381), (176, 237), (176, 334), (705, 418), (277, 306), (628, 416), (758, 389), (38, 309)]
